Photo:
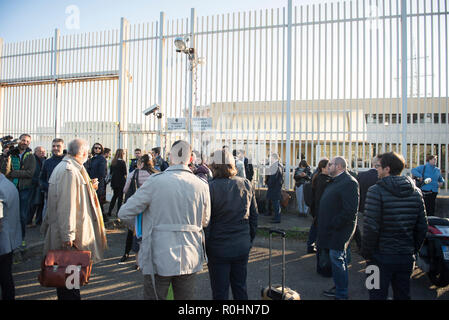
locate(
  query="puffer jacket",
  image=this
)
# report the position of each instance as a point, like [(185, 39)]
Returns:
[(395, 221)]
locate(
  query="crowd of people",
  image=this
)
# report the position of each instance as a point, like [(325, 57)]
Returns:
[(192, 208)]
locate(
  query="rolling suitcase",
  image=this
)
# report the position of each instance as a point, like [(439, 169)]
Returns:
[(278, 292)]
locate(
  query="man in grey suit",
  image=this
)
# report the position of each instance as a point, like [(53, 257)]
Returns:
[(10, 234)]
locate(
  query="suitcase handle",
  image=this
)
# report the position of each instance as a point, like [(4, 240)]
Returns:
[(283, 234), (280, 232)]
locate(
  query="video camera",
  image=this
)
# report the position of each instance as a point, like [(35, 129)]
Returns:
[(8, 142)]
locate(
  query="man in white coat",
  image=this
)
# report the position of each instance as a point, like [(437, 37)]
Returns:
[(176, 207), (74, 217)]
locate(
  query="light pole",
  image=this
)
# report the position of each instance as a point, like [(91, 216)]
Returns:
[(181, 46)]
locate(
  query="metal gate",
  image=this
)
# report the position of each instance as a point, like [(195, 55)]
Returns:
[(351, 78)]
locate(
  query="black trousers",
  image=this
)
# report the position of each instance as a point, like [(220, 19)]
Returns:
[(228, 272), (129, 241), (117, 196), (6, 280), (398, 275), (68, 294), (429, 201)]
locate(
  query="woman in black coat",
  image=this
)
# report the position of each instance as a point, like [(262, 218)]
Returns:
[(319, 181), (231, 229), (118, 179)]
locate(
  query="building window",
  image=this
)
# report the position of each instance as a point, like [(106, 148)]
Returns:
[(394, 118), (381, 118)]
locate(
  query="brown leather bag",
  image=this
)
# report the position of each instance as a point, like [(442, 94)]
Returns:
[(285, 197), (54, 266)]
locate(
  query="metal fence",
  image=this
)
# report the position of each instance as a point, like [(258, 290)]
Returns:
[(351, 78)]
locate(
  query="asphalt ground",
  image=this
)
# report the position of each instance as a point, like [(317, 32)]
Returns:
[(111, 281)]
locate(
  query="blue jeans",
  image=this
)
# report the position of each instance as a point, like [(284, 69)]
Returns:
[(277, 210), (24, 197), (339, 273), (225, 272), (302, 207)]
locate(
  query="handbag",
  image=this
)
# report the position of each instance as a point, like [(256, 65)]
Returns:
[(285, 197), (54, 267)]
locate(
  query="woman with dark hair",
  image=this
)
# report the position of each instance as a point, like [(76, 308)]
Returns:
[(118, 179), (319, 182), (96, 167), (232, 228), (302, 175), (202, 171), (144, 170)]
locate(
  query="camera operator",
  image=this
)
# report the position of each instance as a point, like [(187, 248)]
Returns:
[(20, 172), (5, 161)]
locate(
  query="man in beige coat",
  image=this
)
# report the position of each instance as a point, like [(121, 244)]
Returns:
[(73, 216), (176, 207)]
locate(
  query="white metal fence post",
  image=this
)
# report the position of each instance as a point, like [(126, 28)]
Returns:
[(162, 71), (122, 88), (404, 76), (55, 79), (192, 74), (289, 94)]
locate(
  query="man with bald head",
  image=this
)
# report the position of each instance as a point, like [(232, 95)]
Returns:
[(74, 217), (337, 220), (176, 206)]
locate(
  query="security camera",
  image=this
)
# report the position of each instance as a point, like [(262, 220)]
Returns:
[(151, 110)]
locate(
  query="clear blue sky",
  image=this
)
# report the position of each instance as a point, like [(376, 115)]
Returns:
[(34, 19)]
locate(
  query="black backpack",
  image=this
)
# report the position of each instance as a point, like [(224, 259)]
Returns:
[(308, 193)]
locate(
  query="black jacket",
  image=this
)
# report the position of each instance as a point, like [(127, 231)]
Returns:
[(118, 174), (395, 220), (318, 186), (337, 215), (233, 221), (301, 180), (249, 170), (97, 168), (47, 169), (366, 179), (274, 181)]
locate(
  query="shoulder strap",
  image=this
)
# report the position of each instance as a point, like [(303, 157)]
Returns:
[(136, 178)]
